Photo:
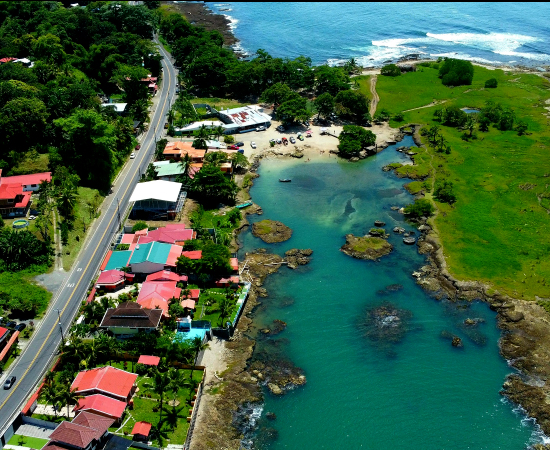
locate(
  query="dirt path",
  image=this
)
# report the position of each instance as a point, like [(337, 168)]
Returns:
[(437, 102), (375, 98)]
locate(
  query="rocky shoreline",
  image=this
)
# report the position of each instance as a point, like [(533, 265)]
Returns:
[(366, 247), (525, 325)]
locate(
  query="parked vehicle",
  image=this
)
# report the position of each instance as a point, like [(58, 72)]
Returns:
[(138, 147), (285, 141), (11, 324), (240, 144), (279, 141), (301, 137), (253, 144), (133, 155), (233, 147), (280, 128), (31, 217), (292, 140), (9, 382), (261, 128), (20, 326)]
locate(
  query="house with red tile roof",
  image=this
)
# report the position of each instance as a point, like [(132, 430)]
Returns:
[(157, 294), (177, 150), (87, 431), (109, 381), (102, 406)]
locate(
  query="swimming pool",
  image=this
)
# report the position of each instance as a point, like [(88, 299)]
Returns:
[(190, 335)]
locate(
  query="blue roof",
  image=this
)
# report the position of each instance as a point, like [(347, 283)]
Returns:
[(155, 252), (118, 259)]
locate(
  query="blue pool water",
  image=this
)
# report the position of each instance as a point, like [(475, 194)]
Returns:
[(191, 334)]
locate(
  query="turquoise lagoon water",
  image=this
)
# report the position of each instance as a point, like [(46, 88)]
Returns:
[(420, 393)]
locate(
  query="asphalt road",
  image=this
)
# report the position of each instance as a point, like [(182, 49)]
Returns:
[(38, 355)]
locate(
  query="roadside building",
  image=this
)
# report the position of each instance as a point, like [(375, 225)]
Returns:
[(16, 191), (175, 151), (141, 431), (119, 108), (157, 294), (112, 280), (169, 172), (157, 199), (153, 257), (109, 381), (4, 332), (87, 431), (166, 275), (102, 406), (129, 318), (244, 119)]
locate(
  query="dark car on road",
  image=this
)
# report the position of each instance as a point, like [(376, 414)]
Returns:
[(240, 144), (9, 382)]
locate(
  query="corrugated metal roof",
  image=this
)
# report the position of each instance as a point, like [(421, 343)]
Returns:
[(118, 260), (167, 191)]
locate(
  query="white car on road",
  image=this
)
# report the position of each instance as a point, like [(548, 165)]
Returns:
[(133, 155), (253, 144)]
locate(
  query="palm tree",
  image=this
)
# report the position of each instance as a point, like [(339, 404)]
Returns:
[(66, 201), (203, 134), (177, 378), (68, 396), (239, 160), (225, 306), (50, 394), (197, 345), (185, 165), (470, 124), (218, 131), (159, 385)]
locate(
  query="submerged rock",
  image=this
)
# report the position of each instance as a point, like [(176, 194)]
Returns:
[(389, 289), (296, 257), (275, 390), (366, 247), (386, 325), (457, 342), (271, 416), (271, 231)]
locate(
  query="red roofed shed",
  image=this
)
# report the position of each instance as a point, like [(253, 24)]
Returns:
[(149, 360), (141, 430)]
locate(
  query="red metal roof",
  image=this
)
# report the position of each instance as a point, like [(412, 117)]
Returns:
[(155, 303), (168, 235), (24, 201), (194, 294), (111, 277), (149, 360), (166, 275), (193, 254), (7, 59), (7, 347), (25, 180), (158, 289), (175, 253), (3, 332), (234, 263), (10, 191), (142, 428), (101, 403), (106, 379), (106, 260)]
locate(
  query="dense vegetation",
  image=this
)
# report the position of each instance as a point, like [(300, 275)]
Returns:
[(79, 54)]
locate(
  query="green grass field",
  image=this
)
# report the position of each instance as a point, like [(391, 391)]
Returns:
[(497, 231), (26, 441)]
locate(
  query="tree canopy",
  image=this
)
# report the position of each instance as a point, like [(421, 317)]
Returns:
[(456, 72), (353, 139)]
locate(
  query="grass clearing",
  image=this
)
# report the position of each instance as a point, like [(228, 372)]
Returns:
[(81, 224), (20, 288), (26, 441), (497, 230), (219, 103), (33, 163)]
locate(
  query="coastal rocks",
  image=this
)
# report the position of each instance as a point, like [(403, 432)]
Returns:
[(378, 232), (379, 223), (409, 240), (277, 327), (271, 416), (298, 153), (271, 231), (398, 230), (296, 257), (455, 340), (276, 370), (275, 390), (366, 247)]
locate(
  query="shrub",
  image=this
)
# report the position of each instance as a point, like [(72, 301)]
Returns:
[(353, 139), (521, 128), (507, 119), (390, 70), (398, 117), (491, 83), (444, 192), (454, 116), (139, 226), (228, 139), (455, 72), (420, 208)]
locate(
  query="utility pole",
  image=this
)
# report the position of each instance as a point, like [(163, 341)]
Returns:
[(60, 327)]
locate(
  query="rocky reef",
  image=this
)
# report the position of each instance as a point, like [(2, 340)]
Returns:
[(366, 247), (271, 231)]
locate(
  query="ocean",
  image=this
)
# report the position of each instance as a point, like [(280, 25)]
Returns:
[(404, 389), (375, 33)]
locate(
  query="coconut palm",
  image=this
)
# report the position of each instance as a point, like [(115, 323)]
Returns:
[(239, 160), (218, 131), (185, 165), (177, 378), (159, 385), (68, 396), (50, 394)]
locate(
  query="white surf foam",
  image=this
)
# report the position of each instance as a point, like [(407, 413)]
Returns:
[(399, 42)]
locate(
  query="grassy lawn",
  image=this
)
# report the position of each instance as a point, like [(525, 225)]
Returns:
[(219, 103), (497, 230), (211, 312), (81, 224), (174, 419), (363, 83), (33, 163), (26, 441), (56, 419)]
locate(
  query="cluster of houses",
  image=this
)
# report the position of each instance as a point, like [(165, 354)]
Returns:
[(106, 393), (151, 258)]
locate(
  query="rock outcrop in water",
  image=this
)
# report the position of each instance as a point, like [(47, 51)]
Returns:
[(367, 247), (271, 231)]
